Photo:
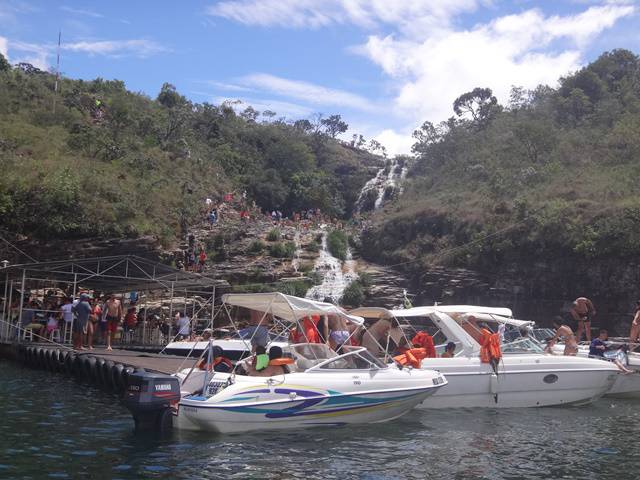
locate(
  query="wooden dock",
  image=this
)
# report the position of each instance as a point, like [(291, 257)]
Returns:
[(106, 369)]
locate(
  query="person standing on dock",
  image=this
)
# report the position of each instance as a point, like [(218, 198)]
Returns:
[(82, 310), (113, 308), (583, 312)]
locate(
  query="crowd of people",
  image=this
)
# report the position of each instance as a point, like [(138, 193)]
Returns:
[(90, 319), (579, 319)]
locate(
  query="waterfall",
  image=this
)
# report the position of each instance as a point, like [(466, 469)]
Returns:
[(335, 278), (295, 263), (384, 185)]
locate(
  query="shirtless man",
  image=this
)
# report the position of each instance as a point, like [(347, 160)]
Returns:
[(372, 339), (583, 312), (113, 312), (570, 343), (635, 325), (336, 332)]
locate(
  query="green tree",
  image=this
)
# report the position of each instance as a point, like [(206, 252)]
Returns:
[(5, 66), (479, 103)]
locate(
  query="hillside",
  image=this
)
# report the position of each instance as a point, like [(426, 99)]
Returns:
[(109, 162), (544, 189)]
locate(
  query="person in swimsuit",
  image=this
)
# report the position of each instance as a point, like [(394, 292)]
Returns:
[(339, 332), (565, 332), (598, 347), (113, 311), (583, 312)]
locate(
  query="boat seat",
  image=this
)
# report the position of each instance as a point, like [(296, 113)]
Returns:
[(305, 363)]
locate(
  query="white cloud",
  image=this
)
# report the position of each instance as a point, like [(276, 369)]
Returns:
[(510, 50), (283, 109), (395, 143), (116, 48), (78, 11), (412, 16), (306, 92), (36, 55), (4, 48), (429, 58)]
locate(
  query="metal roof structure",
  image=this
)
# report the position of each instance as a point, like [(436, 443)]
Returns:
[(110, 274)]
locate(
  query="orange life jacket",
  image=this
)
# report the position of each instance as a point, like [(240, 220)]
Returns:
[(278, 362), (412, 357), (424, 340), (489, 346), (202, 365)]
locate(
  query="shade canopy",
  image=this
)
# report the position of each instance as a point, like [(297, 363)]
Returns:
[(111, 274), (424, 311), (286, 307)]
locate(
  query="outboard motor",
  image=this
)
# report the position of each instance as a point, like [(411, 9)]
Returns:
[(149, 397)]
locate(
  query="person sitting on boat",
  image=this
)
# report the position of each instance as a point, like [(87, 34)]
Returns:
[(220, 362), (634, 334), (206, 335), (276, 364), (583, 312), (598, 347), (563, 331), (449, 350)]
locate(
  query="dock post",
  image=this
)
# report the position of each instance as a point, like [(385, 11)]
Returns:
[(24, 275), (5, 324), (213, 303), (9, 308), (171, 312)]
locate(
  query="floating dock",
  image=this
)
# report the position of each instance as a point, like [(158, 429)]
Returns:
[(100, 367)]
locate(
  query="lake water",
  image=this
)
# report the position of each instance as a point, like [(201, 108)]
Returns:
[(53, 427)]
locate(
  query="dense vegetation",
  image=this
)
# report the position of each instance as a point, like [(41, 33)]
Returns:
[(108, 161), (553, 175)]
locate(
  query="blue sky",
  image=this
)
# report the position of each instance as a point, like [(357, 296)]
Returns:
[(385, 65)]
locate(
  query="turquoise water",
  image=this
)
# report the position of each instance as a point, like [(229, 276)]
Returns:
[(55, 428)]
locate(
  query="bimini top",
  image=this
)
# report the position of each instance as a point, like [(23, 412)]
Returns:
[(286, 307), (424, 311), (499, 319)]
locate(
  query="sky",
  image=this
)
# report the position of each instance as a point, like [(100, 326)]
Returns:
[(386, 66)]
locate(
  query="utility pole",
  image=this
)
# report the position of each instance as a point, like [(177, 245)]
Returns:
[(55, 87)]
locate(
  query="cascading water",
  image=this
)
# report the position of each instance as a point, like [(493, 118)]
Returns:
[(335, 277), (380, 188)]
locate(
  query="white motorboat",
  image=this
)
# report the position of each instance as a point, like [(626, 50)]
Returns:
[(521, 379), (625, 386), (320, 388), (235, 348)]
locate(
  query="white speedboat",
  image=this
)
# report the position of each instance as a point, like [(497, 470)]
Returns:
[(354, 387), (521, 379), (320, 387), (625, 386), (234, 348)]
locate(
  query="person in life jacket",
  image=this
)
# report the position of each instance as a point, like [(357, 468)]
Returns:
[(306, 331), (220, 362), (424, 340), (276, 363), (490, 351)]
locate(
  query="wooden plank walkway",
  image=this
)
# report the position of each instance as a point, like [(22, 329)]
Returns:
[(149, 361), (155, 362)]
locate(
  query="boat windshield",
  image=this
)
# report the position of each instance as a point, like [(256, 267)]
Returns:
[(542, 334), (354, 358), (522, 345)]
